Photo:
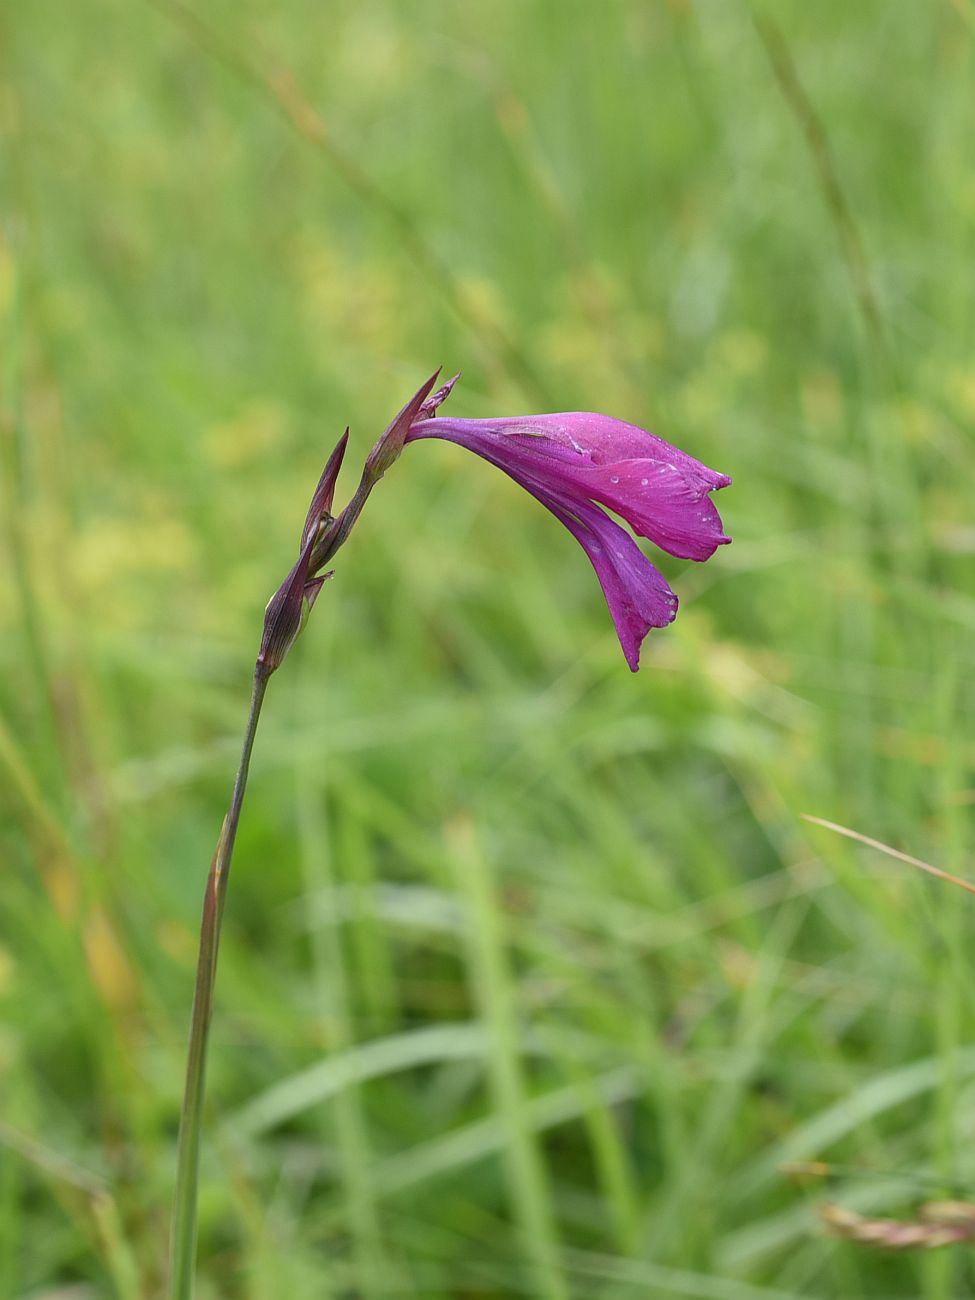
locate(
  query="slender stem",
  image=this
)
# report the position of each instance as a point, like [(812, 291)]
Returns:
[(183, 1241)]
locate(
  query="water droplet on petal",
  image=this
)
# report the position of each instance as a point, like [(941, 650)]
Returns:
[(644, 482), (615, 478)]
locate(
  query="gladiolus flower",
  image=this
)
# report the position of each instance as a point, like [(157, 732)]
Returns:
[(575, 463)]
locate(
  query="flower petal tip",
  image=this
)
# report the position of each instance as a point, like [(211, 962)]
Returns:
[(321, 501), (429, 408)]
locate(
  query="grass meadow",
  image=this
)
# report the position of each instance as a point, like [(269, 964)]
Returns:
[(534, 981)]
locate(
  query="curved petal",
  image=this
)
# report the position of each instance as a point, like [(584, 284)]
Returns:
[(663, 500), (638, 595), (599, 439), (659, 502)]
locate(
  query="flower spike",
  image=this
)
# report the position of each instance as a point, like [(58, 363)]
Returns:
[(578, 464)]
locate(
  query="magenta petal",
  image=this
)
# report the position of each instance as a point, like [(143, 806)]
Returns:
[(638, 595), (600, 439), (663, 500), (660, 502)]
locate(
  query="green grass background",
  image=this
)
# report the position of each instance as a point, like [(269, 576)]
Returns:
[(533, 977)]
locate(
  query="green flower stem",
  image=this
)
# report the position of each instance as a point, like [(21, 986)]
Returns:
[(183, 1240)]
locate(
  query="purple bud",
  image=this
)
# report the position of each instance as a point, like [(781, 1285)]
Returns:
[(389, 446), (321, 501), (283, 618), (289, 607)]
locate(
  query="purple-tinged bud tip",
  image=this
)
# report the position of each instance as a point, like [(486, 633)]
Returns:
[(389, 446), (429, 408), (321, 501)]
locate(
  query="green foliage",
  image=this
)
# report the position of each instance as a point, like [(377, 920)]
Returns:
[(532, 976)]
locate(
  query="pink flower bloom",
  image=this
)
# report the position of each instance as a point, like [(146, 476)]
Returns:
[(577, 462)]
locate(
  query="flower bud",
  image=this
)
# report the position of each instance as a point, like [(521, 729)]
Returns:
[(389, 446), (321, 501), (288, 609)]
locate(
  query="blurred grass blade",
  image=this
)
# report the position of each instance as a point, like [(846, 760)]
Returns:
[(489, 1137), (813, 1138), (428, 1046), (494, 990)]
